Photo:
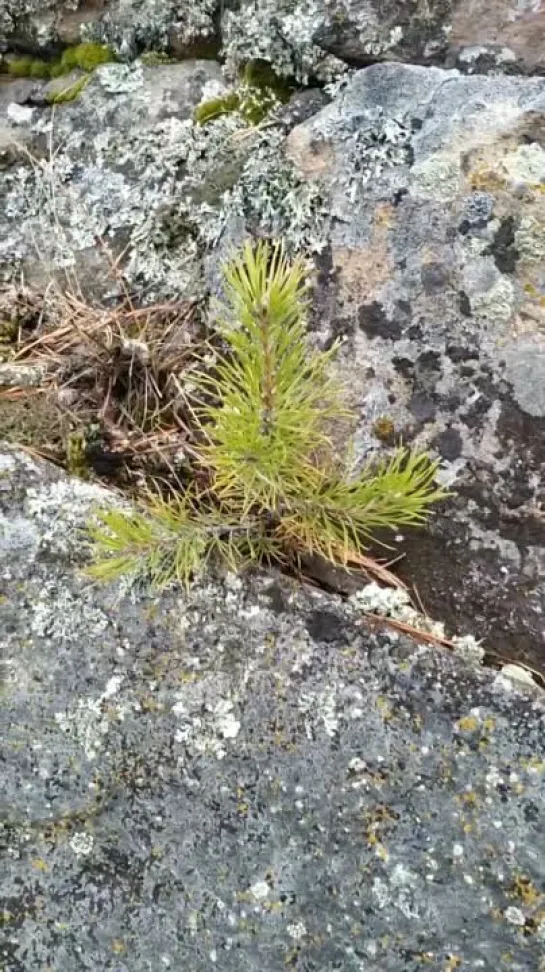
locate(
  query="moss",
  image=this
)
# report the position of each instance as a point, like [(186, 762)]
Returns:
[(39, 69), (19, 67), (76, 455), (384, 430), (9, 328), (70, 93), (260, 74), (86, 56), (259, 91), (215, 107)]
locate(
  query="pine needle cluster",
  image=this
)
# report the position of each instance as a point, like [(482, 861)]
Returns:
[(271, 483)]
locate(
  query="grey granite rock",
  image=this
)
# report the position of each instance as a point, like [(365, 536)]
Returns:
[(434, 279), (245, 777)]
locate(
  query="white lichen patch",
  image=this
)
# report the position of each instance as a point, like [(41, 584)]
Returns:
[(61, 616), (296, 930), (494, 306), (395, 603), (205, 726), (280, 32), (61, 510), (526, 164), (17, 534), (82, 843), (87, 721), (321, 711)]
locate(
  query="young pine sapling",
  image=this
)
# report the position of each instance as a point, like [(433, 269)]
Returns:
[(274, 485)]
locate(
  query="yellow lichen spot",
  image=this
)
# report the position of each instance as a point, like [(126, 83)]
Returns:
[(489, 724), (384, 707), (39, 864), (533, 764), (453, 962), (486, 179), (523, 889), (382, 852), (468, 724), (118, 946)]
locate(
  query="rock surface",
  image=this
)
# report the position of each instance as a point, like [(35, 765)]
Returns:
[(420, 194), (246, 778), (434, 276), (299, 37)]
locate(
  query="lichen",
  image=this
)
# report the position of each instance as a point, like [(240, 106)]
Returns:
[(282, 34)]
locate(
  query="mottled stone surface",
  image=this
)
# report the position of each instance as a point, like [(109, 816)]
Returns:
[(420, 195), (435, 279), (246, 778), (301, 38)]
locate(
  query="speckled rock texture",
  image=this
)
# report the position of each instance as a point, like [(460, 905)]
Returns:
[(300, 37), (418, 192), (245, 778), (434, 278)]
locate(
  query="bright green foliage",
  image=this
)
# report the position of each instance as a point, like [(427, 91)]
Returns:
[(19, 67), (86, 56), (275, 485), (258, 92), (215, 107), (174, 541), (274, 398)]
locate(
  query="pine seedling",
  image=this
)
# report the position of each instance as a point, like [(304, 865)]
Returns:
[(275, 485)]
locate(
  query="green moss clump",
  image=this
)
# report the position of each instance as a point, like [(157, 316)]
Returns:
[(86, 56), (215, 107), (39, 69), (259, 91), (259, 74), (19, 67), (70, 93), (76, 455)]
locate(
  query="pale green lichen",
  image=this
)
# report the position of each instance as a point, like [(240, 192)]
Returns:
[(282, 34), (437, 177)]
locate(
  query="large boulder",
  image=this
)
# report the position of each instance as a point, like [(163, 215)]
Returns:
[(478, 35), (434, 277), (245, 777)]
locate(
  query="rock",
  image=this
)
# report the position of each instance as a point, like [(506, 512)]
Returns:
[(245, 776), (477, 35), (123, 145), (434, 277), (497, 36), (419, 192), (127, 25)]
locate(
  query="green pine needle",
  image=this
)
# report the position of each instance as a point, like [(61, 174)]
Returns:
[(277, 487)]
